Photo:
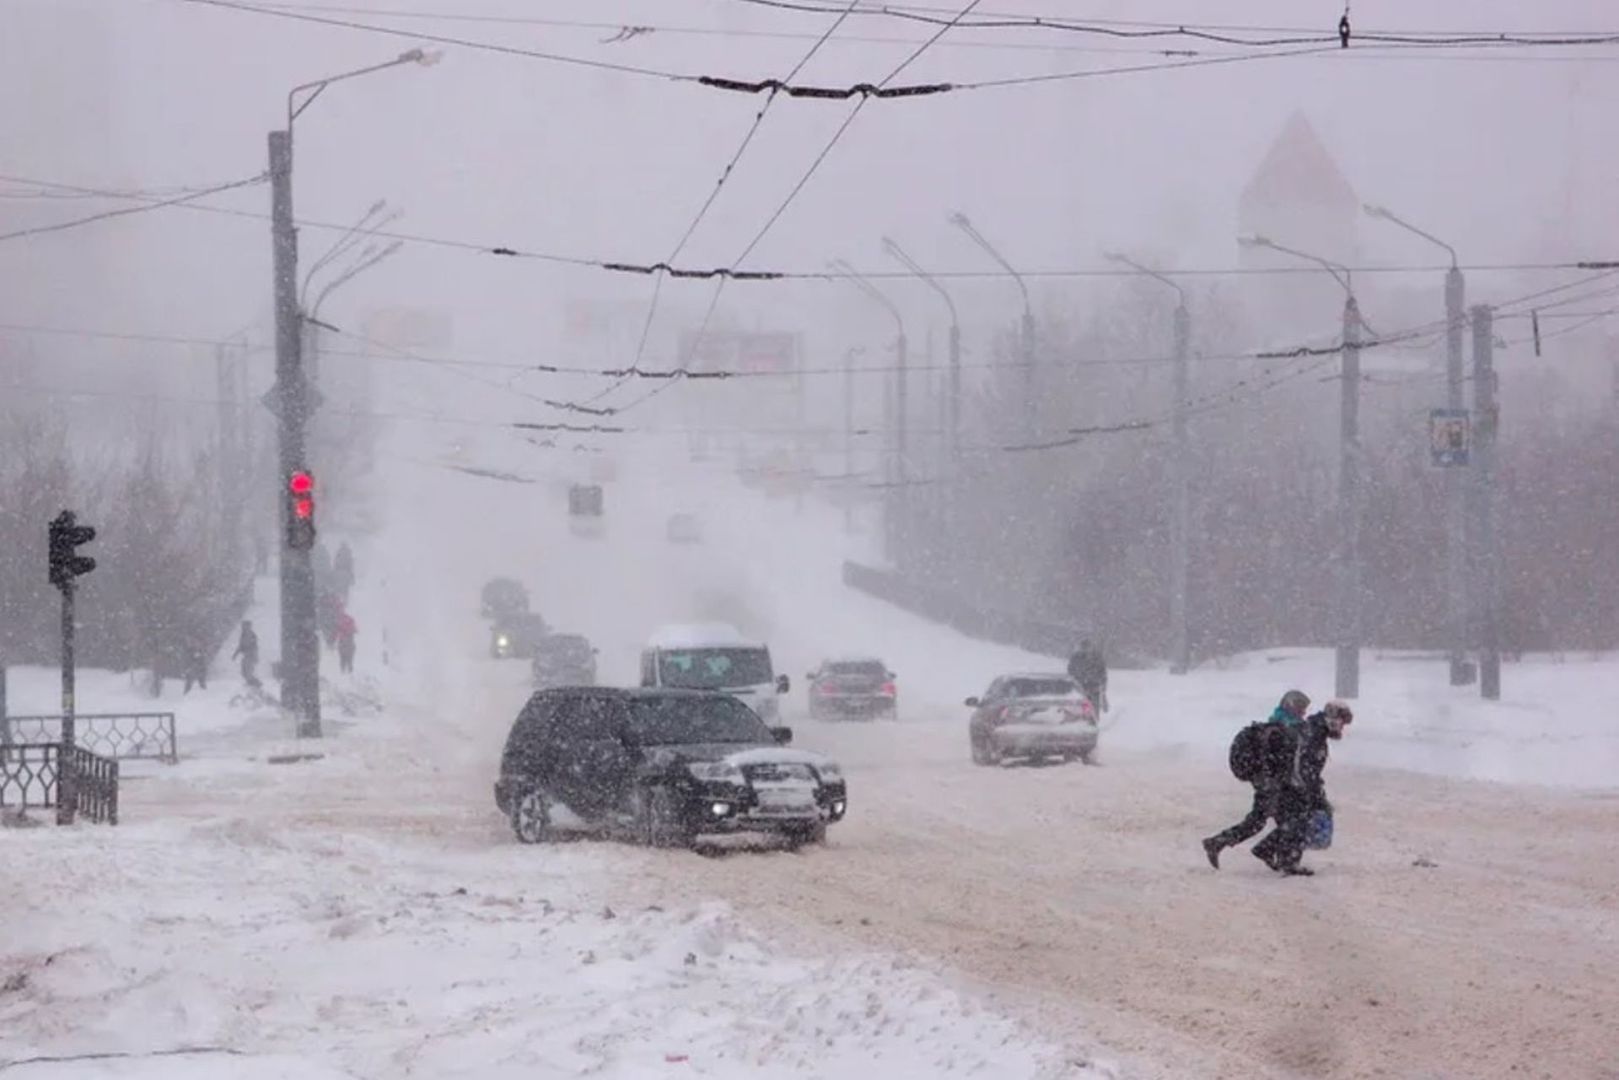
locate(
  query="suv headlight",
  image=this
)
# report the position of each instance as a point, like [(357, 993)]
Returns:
[(830, 770), (715, 771)]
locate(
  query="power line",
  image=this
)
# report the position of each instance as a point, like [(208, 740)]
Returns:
[(875, 273), (719, 185), (1240, 36), (443, 39), (105, 215), (815, 165)]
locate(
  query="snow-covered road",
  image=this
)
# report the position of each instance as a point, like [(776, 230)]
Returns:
[(367, 914)]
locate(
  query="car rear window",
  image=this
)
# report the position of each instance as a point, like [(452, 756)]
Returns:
[(872, 668), (1030, 688)]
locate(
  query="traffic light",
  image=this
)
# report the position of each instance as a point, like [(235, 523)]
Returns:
[(301, 510), (66, 534)]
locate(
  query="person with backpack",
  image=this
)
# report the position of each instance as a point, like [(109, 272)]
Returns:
[(1302, 798), (1261, 755)]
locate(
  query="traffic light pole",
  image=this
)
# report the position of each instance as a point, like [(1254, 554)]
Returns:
[(67, 799), (300, 643)]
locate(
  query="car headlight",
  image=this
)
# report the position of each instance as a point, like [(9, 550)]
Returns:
[(830, 770), (502, 641), (715, 771)]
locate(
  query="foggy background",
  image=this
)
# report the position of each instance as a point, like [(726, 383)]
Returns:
[(1503, 152)]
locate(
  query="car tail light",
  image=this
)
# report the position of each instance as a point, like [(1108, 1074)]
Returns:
[(888, 689)]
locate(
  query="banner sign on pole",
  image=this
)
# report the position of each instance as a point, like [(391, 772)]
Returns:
[(1450, 437)]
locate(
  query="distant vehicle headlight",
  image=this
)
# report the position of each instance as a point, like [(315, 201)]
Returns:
[(715, 771), (503, 642)]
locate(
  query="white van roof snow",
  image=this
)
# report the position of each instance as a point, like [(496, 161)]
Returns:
[(697, 636)]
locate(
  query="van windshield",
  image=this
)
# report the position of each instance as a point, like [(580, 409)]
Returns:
[(714, 668)]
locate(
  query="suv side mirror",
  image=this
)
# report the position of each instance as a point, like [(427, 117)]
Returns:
[(972, 703), (782, 735), (783, 684)]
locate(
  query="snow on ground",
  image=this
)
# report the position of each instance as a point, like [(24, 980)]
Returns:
[(378, 956)]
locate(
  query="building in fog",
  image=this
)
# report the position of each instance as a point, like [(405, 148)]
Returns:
[(1298, 197)]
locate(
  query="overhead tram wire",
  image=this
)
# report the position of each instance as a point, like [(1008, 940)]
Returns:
[(1229, 35), (804, 180), (719, 186), (178, 200)]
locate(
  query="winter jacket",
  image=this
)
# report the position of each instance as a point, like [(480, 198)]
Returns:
[(1088, 668)]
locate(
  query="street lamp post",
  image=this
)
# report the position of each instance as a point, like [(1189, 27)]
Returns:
[(1180, 515), (292, 401), (1348, 618), (1026, 337), (897, 470), (1455, 483), (893, 248)]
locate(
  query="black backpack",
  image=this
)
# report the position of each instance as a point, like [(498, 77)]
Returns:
[(1247, 755)]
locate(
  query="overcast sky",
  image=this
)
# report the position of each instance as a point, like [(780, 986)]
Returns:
[(1505, 153)]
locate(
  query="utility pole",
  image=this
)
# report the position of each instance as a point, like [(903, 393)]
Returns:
[(1348, 615), (1486, 421), (895, 406), (1180, 522), (1180, 507), (300, 645), (848, 437), (899, 541), (1455, 482)]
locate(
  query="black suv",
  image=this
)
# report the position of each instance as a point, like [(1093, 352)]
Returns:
[(661, 766)]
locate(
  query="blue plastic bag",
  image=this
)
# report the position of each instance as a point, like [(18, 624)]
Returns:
[(1318, 835)]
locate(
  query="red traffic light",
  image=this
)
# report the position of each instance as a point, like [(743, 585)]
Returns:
[(304, 508), (301, 483)]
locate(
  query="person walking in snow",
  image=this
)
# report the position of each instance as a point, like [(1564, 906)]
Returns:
[(196, 663), (1303, 792), (1088, 668), (1263, 752), (247, 649), (346, 630)]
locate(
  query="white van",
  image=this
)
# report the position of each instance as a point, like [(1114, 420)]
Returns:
[(714, 656)]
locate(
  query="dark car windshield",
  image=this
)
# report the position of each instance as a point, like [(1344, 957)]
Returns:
[(672, 721), (870, 668), (713, 669), (567, 648)]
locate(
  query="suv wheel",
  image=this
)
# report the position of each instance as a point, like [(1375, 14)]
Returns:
[(658, 820), (531, 817)]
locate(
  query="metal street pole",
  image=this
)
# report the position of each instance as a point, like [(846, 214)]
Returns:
[(300, 642), (300, 646), (1180, 509), (848, 436), (911, 264), (1486, 422), (67, 797), (1026, 342), (897, 470), (1350, 620), (1456, 481)]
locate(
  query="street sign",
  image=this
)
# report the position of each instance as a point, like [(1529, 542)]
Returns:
[(1450, 437)]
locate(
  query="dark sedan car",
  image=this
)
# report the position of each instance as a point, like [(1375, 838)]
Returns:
[(564, 660), (661, 766), (855, 688)]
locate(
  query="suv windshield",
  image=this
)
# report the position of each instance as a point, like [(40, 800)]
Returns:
[(870, 668), (670, 721), (713, 669)]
